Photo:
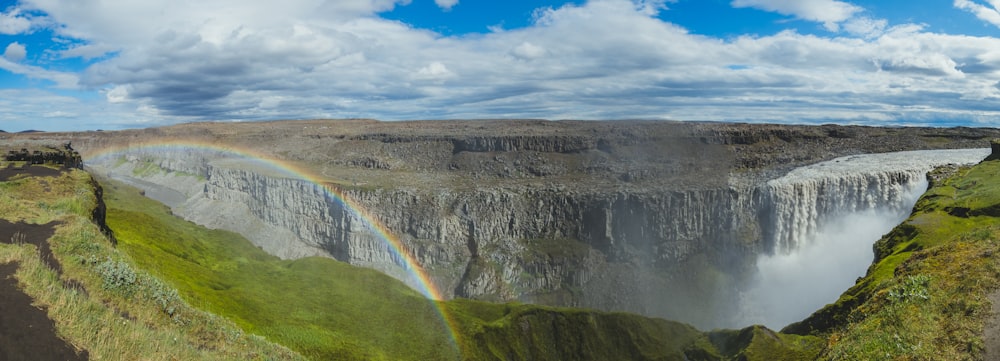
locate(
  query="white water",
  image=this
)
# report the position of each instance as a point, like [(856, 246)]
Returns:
[(825, 219)]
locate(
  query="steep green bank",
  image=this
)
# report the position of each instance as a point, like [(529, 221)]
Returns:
[(528, 332), (321, 308), (326, 309), (926, 295), (99, 302)]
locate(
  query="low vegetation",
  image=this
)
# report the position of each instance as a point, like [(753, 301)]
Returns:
[(325, 309), (926, 295), (321, 308), (99, 302), (174, 290), (148, 168)]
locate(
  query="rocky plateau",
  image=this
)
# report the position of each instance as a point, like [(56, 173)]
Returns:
[(664, 219)]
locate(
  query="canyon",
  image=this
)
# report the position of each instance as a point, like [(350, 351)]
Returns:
[(659, 218)]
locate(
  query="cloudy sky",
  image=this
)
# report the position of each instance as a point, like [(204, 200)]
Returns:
[(109, 64)]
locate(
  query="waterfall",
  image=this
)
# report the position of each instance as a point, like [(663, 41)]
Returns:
[(752, 252), (801, 205), (821, 221)]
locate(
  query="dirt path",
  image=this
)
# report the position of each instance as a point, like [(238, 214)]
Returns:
[(36, 234), (35, 171), (26, 332), (991, 333)]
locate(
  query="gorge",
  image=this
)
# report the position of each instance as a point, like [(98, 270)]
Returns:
[(666, 220), (826, 216)]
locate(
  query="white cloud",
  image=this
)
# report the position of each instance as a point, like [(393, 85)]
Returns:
[(62, 80), (988, 14), (651, 7), (446, 4), (60, 114), (15, 52), (122, 22), (117, 94), (866, 27), (12, 23), (528, 51), (87, 51), (434, 71), (308, 58), (21, 109), (828, 12)]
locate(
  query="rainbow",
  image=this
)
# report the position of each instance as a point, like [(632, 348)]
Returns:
[(425, 284)]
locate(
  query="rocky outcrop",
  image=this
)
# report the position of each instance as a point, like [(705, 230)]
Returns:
[(661, 219), (631, 249), (994, 149), (801, 200), (99, 214)]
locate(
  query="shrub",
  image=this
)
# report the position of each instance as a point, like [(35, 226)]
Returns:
[(914, 288), (118, 277), (164, 296)]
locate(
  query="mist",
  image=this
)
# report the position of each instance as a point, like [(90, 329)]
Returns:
[(790, 286)]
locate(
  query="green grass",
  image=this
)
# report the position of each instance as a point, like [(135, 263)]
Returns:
[(116, 320), (322, 308), (325, 309), (148, 168), (759, 343), (925, 297), (934, 309), (530, 332)]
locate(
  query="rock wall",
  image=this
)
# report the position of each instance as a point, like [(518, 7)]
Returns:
[(799, 202), (660, 218), (494, 243), (659, 252), (796, 209)]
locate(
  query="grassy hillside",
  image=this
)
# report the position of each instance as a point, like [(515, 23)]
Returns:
[(322, 308), (133, 301), (99, 302), (528, 332), (325, 309), (926, 295)]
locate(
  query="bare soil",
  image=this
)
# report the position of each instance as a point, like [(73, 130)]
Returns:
[(36, 234), (991, 333), (36, 171), (26, 332), (582, 155)]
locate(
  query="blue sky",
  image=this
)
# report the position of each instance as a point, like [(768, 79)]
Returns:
[(110, 64)]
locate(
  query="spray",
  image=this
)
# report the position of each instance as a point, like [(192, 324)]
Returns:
[(791, 285), (822, 222)]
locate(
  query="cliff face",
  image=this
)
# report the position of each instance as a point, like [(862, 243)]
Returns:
[(663, 220), (797, 204), (930, 292), (99, 214), (655, 252)]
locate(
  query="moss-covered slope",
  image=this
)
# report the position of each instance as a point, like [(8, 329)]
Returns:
[(925, 296), (325, 309), (100, 304), (319, 307)]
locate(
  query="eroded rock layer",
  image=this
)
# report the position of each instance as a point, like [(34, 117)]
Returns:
[(663, 219)]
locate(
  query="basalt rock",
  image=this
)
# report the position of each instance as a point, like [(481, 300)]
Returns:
[(658, 218)]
